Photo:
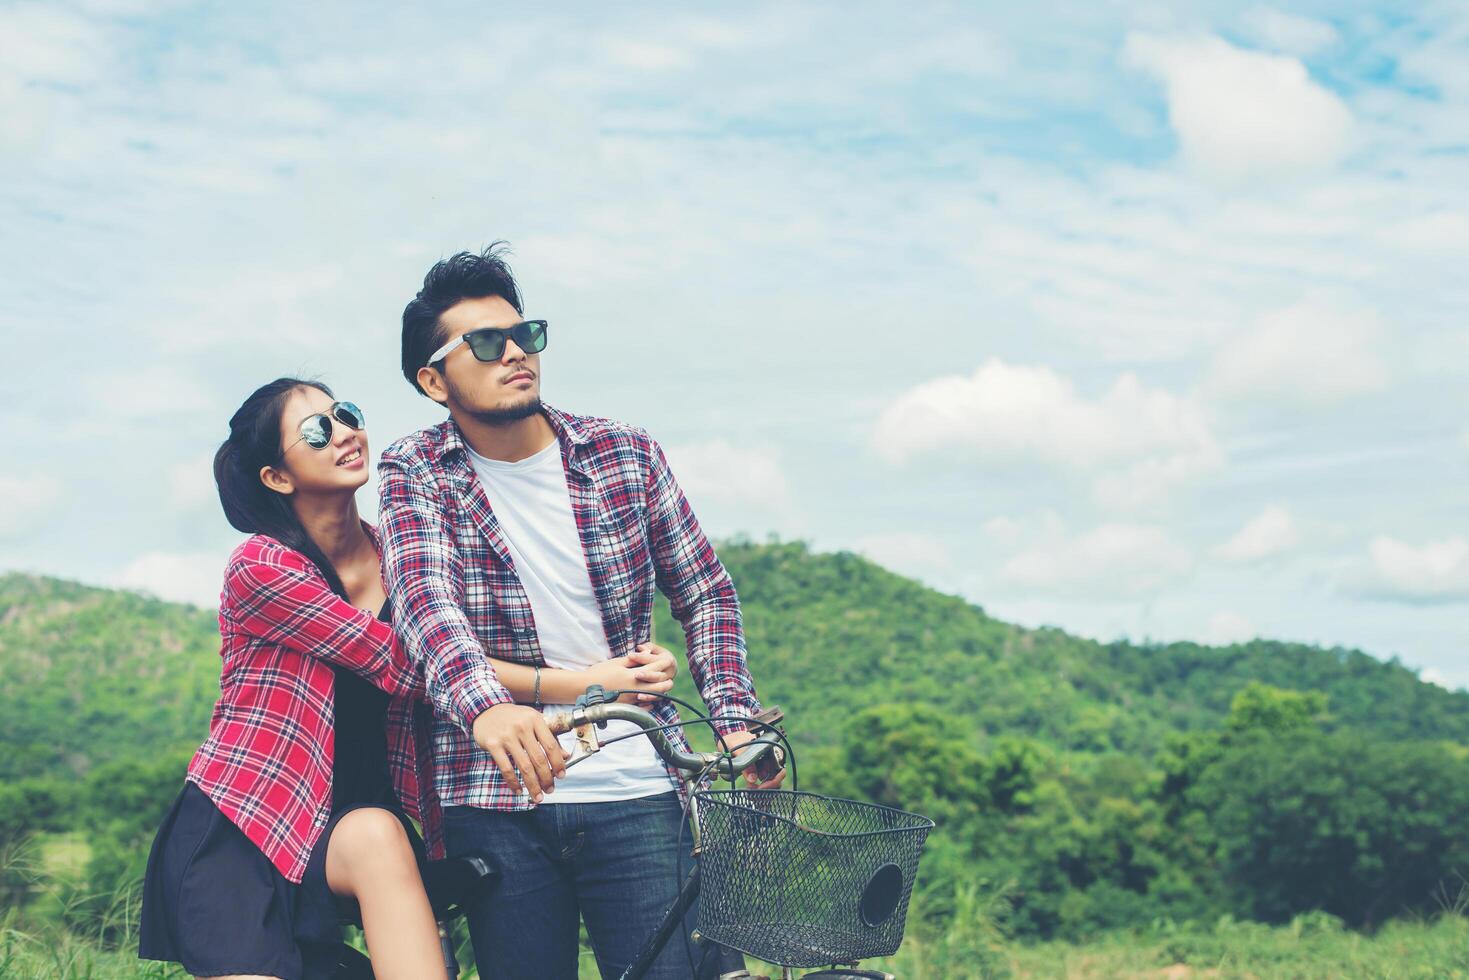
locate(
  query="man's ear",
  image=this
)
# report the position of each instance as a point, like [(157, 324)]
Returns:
[(277, 480), (432, 383)]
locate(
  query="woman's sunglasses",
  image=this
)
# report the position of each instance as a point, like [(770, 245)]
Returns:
[(488, 343), (316, 430)]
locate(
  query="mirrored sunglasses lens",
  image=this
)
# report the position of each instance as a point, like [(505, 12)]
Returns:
[(317, 431), (487, 345), (349, 415)]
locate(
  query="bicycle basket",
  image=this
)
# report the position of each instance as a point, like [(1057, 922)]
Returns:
[(804, 880)]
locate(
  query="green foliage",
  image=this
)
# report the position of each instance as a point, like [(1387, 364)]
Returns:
[(31, 805), (896, 755), (827, 632), (60, 955), (1261, 708), (1338, 822), (1081, 789), (89, 676)]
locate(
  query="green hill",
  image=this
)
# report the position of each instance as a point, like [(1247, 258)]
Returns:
[(831, 630), (91, 675), (1079, 787)]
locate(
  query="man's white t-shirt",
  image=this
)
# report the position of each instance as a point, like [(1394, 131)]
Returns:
[(532, 504)]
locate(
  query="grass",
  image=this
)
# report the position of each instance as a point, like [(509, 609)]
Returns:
[(1437, 950), (59, 955), (1249, 951), (63, 855), (94, 938)]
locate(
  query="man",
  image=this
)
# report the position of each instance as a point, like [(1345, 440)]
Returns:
[(523, 533)]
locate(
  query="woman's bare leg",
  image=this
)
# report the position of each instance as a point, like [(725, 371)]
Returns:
[(370, 859)]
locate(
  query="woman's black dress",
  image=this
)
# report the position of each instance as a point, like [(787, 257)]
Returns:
[(214, 902)]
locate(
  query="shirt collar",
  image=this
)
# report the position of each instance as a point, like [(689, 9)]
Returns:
[(569, 432)]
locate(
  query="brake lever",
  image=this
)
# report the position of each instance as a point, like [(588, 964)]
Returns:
[(771, 763), (587, 744)]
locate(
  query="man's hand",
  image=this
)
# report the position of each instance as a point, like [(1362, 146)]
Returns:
[(517, 737), (732, 743), (648, 670)]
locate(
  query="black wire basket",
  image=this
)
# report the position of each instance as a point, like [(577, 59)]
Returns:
[(804, 880)]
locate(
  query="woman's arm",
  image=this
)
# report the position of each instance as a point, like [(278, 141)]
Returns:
[(649, 669), (275, 594)]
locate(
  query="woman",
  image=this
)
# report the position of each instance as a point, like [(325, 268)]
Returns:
[(317, 753), (290, 800)]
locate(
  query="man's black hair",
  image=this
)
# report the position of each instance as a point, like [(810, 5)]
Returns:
[(459, 277)]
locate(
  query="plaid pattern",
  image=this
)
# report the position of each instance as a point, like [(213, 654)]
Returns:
[(267, 763), (456, 596)]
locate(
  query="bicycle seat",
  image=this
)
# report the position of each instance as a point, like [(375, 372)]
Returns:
[(453, 882)]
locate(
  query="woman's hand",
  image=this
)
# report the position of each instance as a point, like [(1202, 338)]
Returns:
[(647, 671), (524, 750)]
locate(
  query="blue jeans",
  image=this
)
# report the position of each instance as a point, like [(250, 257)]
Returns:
[(614, 863)]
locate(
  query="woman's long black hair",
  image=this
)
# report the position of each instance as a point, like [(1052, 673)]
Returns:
[(255, 441)]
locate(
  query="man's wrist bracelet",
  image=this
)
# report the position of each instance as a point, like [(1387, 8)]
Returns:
[(535, 696)]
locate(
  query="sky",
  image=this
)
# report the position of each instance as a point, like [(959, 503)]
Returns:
[(1139, 320)]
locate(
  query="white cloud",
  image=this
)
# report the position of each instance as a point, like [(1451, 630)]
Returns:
[(1433, 675), (724, 473), (1288, 32), (1136, 443), (24, 501), (1228, 627), (678, 44), (191, 482), (1007, 532), (1240, 114), (718, 35), (645, 55), (1310, 353), (913, 553), (1271, 532), (1435, 571), (195, 577), (152, 392), (1441, 232), (1109, 561), (43, 48), (958, 51), (45, 43), (1024, 232)]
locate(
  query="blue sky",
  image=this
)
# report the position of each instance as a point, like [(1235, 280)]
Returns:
[(1138, 320)]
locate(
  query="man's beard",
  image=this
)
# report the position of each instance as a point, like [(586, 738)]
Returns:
[(504, 416), (496, 416)]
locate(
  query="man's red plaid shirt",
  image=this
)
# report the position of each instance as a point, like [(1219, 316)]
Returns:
[(267, 763), (456, 596)]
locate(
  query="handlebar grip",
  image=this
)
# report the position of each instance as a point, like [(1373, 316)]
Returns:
[(770, 764), (559, 723)]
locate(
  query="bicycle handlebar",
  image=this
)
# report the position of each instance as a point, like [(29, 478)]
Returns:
[(722, 764)]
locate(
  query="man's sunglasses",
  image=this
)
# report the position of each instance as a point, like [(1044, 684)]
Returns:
[(488, 343), (316, 430)]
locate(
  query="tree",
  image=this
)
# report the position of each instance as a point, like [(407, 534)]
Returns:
[(1262, 708), (1336, 822)]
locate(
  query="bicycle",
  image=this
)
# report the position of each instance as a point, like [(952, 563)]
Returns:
[(792, 878)]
